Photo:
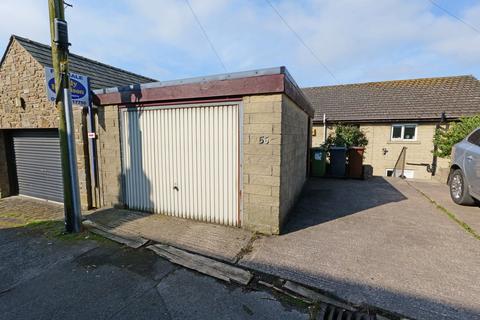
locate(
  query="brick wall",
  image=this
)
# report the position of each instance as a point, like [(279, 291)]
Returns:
[(272, 177), (274, 173), (262, 117), (419, 151), (295, 131), (109, 159), (21, 76)]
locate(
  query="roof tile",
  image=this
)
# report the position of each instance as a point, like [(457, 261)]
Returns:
[(101, 75), (422, 99)]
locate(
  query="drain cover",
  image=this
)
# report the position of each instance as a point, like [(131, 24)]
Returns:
[(335, 313)]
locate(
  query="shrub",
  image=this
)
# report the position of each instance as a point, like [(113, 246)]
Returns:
[(445, 139), (347, 135)]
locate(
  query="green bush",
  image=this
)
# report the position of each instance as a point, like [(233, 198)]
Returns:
[(347, 135), (445, 139)]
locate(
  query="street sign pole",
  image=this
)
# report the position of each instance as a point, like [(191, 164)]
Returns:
[(59, 36), (72, 159)]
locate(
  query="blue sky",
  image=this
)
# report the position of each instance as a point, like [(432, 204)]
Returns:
[(359, 40)]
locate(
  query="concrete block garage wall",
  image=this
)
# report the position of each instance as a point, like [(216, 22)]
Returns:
[(262, 117), (274, 173), (109, 158), (295, 132), (275, 137)]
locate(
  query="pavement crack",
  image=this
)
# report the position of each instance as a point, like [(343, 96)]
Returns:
[(6, 290), (247, 248)]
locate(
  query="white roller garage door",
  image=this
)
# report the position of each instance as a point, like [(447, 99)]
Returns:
[(183, 161)]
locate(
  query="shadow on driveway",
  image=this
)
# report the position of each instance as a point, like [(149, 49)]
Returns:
[(378, 242), (324, 200)]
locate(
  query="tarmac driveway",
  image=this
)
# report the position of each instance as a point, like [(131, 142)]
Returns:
[(379, 242)]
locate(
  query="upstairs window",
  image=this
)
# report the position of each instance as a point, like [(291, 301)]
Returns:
[(404, 132)]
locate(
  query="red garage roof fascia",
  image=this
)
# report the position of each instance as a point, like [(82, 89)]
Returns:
[(267, 81)]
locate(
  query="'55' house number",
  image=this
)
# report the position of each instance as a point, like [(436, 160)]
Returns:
[(264, 140)]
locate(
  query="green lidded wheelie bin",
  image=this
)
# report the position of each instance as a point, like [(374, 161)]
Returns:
[(318, 159)]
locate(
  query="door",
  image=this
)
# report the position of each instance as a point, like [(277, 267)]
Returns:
[(183, 161), (472, 163), (38, 164)]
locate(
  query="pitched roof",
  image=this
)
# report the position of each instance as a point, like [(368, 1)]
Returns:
[(101, 75), (415, 99)]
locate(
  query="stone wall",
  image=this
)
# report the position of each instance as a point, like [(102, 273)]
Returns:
[(109, 157), (24, 105), (419, 151), (4, 180), (22, 77), (295, 132)]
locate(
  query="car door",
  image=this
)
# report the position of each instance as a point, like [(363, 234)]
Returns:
[(472, 163)]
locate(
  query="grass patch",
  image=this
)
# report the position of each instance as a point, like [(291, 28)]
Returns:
[(54, 229)]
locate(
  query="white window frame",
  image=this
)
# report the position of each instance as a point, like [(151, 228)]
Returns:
[(403, 125)]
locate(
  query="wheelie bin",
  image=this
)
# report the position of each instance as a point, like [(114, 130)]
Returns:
[(318, 160), (355, 162), (338, 161)]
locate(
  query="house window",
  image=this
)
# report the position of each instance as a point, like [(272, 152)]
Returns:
[(407, 132)]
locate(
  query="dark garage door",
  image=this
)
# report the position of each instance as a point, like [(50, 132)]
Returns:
[(38, 164)]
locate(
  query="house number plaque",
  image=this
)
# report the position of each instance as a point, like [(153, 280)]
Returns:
[(264, 140)]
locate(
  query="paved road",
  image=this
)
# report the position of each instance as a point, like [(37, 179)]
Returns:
[(59, 278), (378, 242)]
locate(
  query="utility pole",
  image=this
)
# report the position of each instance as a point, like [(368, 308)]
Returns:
[(59, 43)]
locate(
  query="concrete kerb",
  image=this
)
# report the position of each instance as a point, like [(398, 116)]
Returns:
[(318, 300)]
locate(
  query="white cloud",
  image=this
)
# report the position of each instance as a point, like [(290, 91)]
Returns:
[(360, 40)]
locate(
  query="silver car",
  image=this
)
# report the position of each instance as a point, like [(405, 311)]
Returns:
[(464, 179)]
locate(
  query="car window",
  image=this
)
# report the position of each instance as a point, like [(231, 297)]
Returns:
[(475, 138)]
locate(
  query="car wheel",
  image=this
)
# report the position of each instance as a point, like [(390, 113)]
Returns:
[(459, 189)]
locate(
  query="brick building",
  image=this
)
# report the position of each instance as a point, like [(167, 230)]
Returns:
[(397, 114), (28, 121), (229, 149)]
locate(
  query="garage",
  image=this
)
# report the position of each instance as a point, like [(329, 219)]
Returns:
[(183, 161), (227, 149), (37, 164)]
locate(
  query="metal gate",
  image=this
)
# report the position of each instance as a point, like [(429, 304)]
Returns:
[(183, 161), (38, 164)]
